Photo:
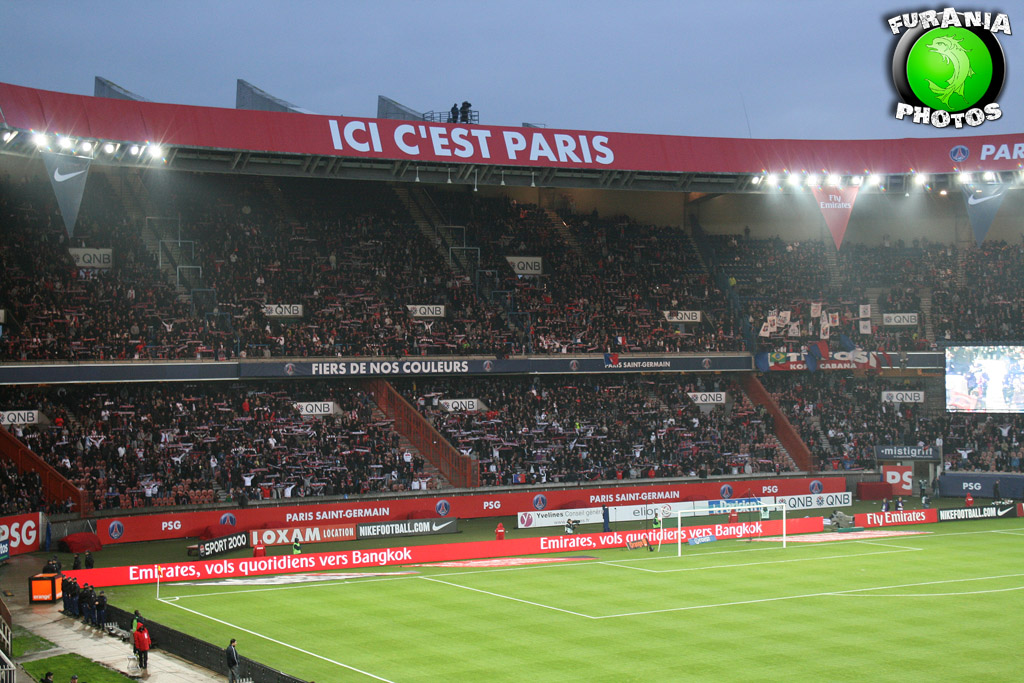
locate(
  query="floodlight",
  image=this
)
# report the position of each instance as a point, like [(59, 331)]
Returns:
[(109, 148), (64, 142), (772, 179), (756, 180), (40, 140), (857, 180), (156, 151), (964, 178), (874, 179), (134, 150), (10, 135), (86, 146), (989, 176), (793, 179), (920, 179), (834, 180), (812, 180)]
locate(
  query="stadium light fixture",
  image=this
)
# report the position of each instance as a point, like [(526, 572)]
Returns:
[(40, 140), (503, 178), (943, 193), (474, 180), (109, 148), (134, 150), (813, 180), (920, 179), (874, 180), (449, 176), (772, 179), (834, 180), (794, 179), (533, 180), (417, 174), (155, 151), (756, 180), (86, 146), (964, 178), (64, 142), (989, 176)]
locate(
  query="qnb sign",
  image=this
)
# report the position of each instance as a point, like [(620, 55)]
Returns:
[(902, 397), (703, 397), (19, 417), (525, 265), (425, 310), (92, 258), (282, 310), (462, 405), (899, 319), (312, 408)]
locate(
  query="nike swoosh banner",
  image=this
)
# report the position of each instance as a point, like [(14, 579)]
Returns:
[(67, 176), (982, 206), (836, 204)]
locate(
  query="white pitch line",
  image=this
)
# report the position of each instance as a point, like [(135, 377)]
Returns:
[(1008, 533), (278, 642), (755, 564), (889, 545), (509, 597), (930, 595), (805, 595)]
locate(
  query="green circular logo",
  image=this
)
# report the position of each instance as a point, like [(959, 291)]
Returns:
[(949, 69)]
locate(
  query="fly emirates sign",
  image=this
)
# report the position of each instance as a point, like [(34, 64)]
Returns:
[(439, 142)]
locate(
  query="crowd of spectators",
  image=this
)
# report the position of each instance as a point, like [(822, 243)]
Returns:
[(21, 491), (141, 445), (537, 430), (985, 304)]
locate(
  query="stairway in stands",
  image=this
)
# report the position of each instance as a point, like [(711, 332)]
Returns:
[(926, 311), (560, 227), (437, 480)]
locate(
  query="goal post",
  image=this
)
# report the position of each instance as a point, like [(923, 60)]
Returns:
[(763, 511)]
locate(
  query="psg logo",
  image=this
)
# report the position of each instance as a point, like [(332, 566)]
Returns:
[(228, 518), (488, 365), (442, 508), (289, 369), (959, 154), (525, 520), (540, 501), (726, 491), (116, 530), (574, 365), (706, 363), (817, 487)]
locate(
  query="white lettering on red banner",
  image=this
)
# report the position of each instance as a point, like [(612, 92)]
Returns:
[(22, 532), (901, 477)]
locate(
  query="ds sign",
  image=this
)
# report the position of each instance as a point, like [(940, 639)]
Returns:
[(21, 532)]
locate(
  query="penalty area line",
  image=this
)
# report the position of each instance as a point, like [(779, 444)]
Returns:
[(508, 597), (277, 642)]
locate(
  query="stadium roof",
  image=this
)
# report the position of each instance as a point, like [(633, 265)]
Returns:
[(280, 143)]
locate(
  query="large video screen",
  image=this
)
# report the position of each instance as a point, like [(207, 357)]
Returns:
[(985, 379)]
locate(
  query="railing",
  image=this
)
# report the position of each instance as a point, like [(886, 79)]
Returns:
[(461, 470), (785, 432), (55, 486), (5, 628), (446, 116)]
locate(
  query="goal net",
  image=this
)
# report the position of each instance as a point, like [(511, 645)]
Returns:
[(745, 522)]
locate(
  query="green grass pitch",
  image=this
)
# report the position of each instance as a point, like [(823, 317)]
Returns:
[(946, 604)]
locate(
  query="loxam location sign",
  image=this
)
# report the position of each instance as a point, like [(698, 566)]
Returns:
[(948, 66)]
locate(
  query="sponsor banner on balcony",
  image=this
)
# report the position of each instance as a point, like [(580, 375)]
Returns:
[(22, 532), (425, 310), (92, 258), (20, 417), (899, 319), (985, 512), (133, 528), (282, 310), (224, 544), (408, 527), (817, 502), (682, 316), (315, 408), (462, 405), (707, 397), (303, 534), (525, 265), (894, 453), (877, 519)]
